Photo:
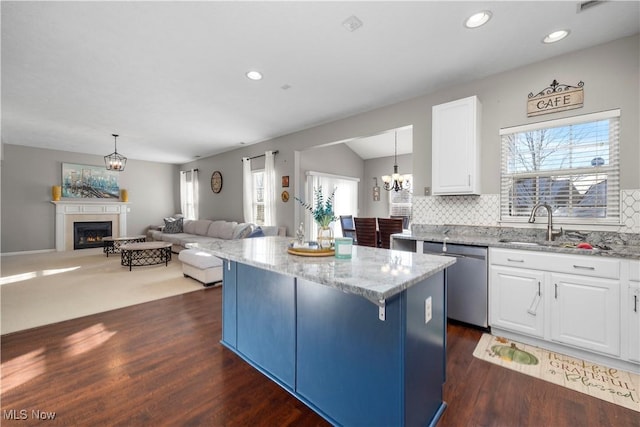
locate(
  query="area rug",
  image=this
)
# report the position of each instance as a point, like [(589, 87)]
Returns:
[(611, 385), (39, 289)]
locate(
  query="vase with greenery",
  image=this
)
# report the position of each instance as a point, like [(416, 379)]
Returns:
[(322, 212)]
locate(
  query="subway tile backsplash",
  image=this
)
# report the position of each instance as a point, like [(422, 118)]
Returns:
[(484, 210)]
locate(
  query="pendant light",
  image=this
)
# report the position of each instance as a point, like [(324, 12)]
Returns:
[(395, 181), (115, 161)]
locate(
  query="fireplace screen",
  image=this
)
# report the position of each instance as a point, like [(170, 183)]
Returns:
[(90, 234)]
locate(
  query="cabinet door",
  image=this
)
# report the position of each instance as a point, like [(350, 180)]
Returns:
[(633, 307), (585, 312), (516, 302), (456, 147)]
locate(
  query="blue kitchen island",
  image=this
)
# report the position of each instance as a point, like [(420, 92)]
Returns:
[(361, 341)]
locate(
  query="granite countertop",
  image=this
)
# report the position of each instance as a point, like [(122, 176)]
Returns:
[(514, 239), (376, 274)]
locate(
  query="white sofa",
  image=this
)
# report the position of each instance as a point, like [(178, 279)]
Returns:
[(204, 230)]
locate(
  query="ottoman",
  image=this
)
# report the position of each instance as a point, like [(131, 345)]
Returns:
[(201, 266)]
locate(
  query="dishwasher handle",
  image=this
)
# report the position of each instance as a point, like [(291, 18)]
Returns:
[(464, 256)]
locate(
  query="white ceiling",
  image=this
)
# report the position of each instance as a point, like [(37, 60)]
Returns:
[(169, 77)]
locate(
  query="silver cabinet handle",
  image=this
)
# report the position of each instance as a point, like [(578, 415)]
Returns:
[(583, 267), (635, 303), (539, 293), (556, 292), (515, 260)]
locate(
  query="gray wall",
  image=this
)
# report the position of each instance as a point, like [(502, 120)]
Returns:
[(28, 216), (611, 79)]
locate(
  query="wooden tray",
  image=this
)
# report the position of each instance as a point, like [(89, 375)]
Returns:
[(311, 252)]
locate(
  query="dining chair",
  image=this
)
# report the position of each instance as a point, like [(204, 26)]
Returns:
[(366, 233), (387, 227), (405, 220), (348, 229)]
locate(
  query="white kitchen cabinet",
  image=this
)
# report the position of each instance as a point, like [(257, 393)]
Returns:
[(579, 302), (516, 300), (456, 147), (633, 311), (585, 312)]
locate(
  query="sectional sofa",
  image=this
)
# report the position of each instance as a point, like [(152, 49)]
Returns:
[(204, 230)]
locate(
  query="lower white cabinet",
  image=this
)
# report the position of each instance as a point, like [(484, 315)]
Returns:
[(573, 300), (516, 300), (632, 309), (585, 312)]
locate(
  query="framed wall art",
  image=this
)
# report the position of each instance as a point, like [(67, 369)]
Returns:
[(89, 182)]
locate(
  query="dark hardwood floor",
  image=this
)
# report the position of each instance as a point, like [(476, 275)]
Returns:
[(161, 363)]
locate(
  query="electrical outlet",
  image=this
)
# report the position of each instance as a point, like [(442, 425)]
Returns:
[(427, 310), (427, 191)]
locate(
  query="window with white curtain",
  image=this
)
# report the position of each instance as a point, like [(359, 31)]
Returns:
[(189, 193), (345, 200), (258, 196), (572, 164)]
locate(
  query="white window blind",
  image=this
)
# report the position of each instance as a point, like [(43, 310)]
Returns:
[(571, 164), (400, 201)]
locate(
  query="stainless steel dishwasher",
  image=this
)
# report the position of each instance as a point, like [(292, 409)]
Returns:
[(467, 293)]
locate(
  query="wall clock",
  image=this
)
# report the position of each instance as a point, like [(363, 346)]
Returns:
[(216, 182)]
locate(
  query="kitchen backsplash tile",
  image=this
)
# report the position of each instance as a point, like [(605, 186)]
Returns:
[(630, 211), (484, 210), (458, 210)]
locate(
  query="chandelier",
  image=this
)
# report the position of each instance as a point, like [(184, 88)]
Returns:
[(395, 181), (115, 161)]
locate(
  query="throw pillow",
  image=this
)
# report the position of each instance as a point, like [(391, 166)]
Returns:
[(242, 230), (173, 225), (256, 233)]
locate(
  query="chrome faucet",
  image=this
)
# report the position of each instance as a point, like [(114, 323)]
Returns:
[(550, 233)]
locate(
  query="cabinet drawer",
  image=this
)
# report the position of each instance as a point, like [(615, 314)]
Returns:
[(572, 264)]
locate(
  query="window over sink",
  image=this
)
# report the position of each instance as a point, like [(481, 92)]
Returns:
[(571, 164)]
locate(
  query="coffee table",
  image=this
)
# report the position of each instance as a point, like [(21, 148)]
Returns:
[(111, 245), (145, 253)]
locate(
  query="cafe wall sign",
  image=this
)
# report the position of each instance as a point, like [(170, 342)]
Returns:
[(557, 97)]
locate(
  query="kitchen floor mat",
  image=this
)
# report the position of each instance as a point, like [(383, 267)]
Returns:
[(609, 384)]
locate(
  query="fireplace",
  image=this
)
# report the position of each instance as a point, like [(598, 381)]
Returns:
[(89, 234)]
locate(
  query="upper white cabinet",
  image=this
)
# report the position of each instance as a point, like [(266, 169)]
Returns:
[(456, 147)]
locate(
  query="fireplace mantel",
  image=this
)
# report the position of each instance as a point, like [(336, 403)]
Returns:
[(70, 211)]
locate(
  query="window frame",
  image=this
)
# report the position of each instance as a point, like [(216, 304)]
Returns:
[(612, 170)]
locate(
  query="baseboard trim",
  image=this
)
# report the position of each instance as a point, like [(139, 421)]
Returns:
[(39, 251)]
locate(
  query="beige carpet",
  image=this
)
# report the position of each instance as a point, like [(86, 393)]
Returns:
[(39, 289), (611, 385)]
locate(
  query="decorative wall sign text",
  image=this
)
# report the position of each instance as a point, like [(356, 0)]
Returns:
[(557, 97)]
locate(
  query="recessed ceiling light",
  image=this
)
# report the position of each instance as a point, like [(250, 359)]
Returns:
[(555, 36), (254, 75), (478, 19), (352, 23)]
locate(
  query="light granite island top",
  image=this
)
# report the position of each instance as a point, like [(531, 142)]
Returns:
[(376, 274)]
